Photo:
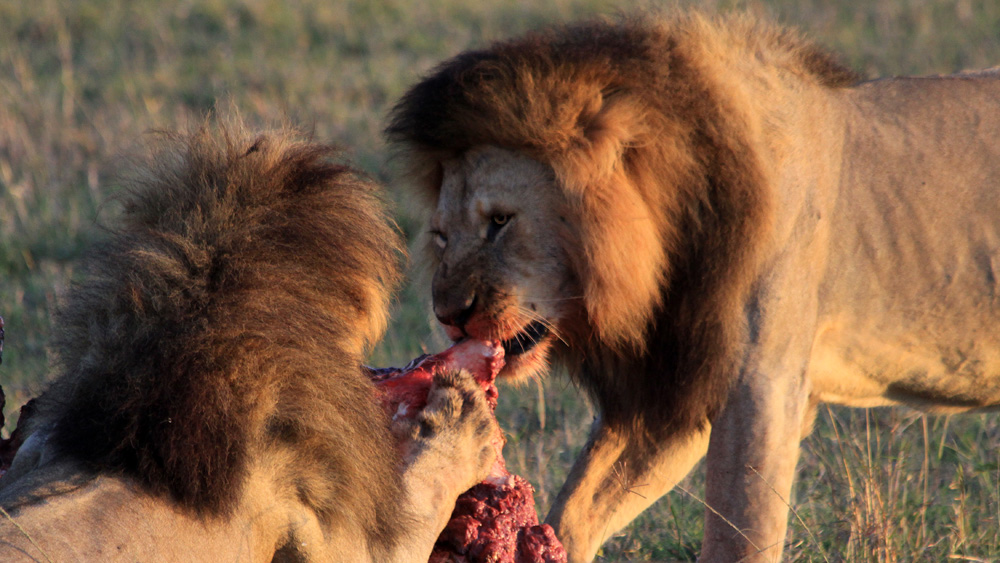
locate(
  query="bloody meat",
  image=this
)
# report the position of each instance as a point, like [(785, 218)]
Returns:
[(494, 521)]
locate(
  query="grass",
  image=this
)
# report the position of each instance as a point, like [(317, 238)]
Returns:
[(81, 81)]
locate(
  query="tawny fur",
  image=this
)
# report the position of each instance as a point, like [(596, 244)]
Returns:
[(228, 315), (211, 404), (719, 226), (618, 111)]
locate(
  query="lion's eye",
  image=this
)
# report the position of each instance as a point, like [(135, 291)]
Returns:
[(497, 222), (439, 239)]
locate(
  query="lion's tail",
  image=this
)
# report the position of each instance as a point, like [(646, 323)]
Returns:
[(247, 273)]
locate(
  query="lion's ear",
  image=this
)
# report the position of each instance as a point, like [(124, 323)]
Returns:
[(623, 261)]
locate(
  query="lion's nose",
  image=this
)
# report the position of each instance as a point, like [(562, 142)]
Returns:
[(455, 312)]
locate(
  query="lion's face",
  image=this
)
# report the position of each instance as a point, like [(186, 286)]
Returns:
[(503, 272)]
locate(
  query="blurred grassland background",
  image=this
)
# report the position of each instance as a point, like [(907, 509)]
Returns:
[(81, 81)]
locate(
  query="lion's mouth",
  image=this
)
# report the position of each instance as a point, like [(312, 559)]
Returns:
[(525, 340)]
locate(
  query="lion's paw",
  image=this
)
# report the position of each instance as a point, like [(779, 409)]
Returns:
[(452, 444), (456, 429)]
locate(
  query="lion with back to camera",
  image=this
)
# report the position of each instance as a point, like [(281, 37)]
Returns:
[(211, 403), (715, 227)]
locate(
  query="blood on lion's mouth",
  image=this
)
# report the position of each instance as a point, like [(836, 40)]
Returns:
[(525, 340)]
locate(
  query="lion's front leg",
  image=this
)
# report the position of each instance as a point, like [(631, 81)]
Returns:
[(613, 481), (751, 464), (450, 446)]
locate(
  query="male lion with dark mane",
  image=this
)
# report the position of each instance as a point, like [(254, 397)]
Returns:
[(212, 404), (715, 226)]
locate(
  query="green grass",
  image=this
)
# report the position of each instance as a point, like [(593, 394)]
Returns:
[(82, 81)]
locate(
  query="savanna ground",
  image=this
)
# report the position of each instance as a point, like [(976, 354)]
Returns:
[(80, 81)]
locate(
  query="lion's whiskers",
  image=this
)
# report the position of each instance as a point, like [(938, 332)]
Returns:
[(535, 316)]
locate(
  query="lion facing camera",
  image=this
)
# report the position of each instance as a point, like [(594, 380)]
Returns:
[(210, 403)]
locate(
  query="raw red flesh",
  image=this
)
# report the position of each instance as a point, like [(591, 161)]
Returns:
[(405, 389), (497, 522), (494, 521)]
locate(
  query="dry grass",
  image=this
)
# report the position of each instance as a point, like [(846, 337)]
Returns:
[(80, 81)]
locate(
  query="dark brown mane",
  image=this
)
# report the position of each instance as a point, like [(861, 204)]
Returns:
[(227, 314), (440, 112), (621, 108)]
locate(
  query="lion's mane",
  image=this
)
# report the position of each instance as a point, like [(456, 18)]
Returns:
[(228, 316), (653, 155)]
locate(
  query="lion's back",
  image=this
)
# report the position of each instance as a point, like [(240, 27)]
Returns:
[(911, 294)]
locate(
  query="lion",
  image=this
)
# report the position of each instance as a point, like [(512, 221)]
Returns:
[(714, 226), (211, 403)]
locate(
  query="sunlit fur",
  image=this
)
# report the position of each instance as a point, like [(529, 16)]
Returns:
[(219, 329), (655, 199), (751, 228)]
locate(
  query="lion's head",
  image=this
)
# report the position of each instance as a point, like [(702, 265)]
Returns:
[(543, 169), (211, 403), (501, 274)]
